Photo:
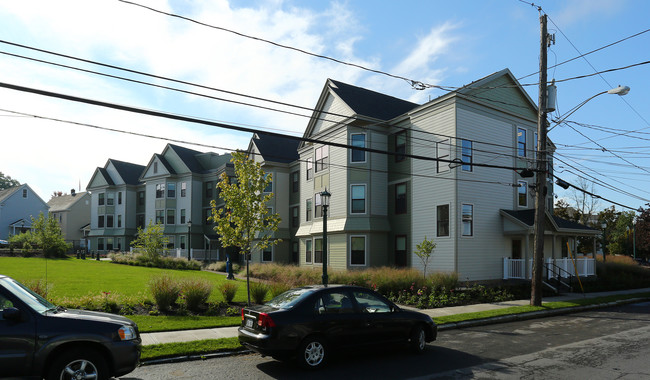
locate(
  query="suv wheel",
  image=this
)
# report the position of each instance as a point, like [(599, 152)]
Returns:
[(78, 364)]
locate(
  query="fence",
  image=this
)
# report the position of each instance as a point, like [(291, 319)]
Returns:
[(516, 268)]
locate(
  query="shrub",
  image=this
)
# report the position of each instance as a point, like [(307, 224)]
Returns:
[(228, 290), (165, 291), (196, 292), (447, 280), (278, 288), (258, 292), (142, 260)]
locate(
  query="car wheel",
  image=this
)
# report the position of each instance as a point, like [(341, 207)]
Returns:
[(418, 339), (312, 353), (78, 364)]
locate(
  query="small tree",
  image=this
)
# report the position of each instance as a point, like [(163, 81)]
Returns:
[(7, 182), (245, 222), (47, 233), (424, 251), (150, 241)]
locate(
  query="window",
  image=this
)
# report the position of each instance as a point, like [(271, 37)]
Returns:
[(100, 221), (294, 251), (182, 221), (357, 250), (335, 302), (119, 221), (160, 190), (100, 199), (295, 216), (521, 142), (310, 169), (100, 244), (358, 199), (119, 198), (318, 251), (182, 242), (155, 168), (171, 190), (269, 187), (295, 182), (358, 140), (267, 254), (370, 302), (171, 217), (322, 158), (400, 198), (140, 220), (24, 193), (208, 216), (160, 216), (140, 198), (208, 189), (522, 194), (466, 155), (468, 220), (109, 244), (442, 153), (109, 221), (183, 189), (442, 215), (308, 210), (400, 146), (110, 199), (308, 258), (319, 207), (400, 251)]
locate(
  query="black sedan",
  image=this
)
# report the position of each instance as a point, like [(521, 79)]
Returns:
[(307, 323)]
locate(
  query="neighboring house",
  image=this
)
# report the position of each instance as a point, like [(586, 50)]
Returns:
[(72, 212), (382, 205), (18, 205), (173, 189), (279, 158)]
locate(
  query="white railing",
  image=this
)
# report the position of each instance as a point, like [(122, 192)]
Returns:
[(516, 268)]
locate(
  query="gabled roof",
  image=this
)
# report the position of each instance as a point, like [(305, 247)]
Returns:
[(129, 172), (276, 148), (188, 156), (65, 202), (6, 193), (370, 103), (527, 217)]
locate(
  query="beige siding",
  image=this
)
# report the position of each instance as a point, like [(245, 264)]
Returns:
[(335, 106)]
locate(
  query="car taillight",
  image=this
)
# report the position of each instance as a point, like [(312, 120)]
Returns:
[(264, 320), (242, 313)]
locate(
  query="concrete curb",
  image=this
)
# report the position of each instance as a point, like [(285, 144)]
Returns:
[(446, 326)]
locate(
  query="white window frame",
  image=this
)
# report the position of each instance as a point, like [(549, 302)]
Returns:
[(272, 255), (365, 250), (525, 133), (309, 168), (449, 225), (365, 143), (443, 151), (311, 244), (270, 185), (524, 185), (365, 199), (467, 166), (462, 222), (183, 189)]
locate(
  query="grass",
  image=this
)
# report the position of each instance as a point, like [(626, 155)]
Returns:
[(78, 278), (149, 323), (198, 347)]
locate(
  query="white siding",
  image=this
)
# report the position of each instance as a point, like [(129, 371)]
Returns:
[(377, 197), (335, 106)]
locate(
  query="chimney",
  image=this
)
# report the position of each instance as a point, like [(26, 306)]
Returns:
[(72, 192)]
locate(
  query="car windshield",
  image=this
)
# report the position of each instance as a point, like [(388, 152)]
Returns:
[(289, 298), (36, 302)]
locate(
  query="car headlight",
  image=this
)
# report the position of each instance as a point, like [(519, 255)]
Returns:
[(126, 333)]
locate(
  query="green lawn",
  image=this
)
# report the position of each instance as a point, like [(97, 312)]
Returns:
[(78, 278), (149, 323)]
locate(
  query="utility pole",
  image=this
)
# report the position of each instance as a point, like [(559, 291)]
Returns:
[(540, 194)]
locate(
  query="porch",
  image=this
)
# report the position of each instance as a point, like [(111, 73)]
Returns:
[(523, 269)]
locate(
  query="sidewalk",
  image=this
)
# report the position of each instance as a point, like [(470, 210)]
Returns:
[(228, 332)]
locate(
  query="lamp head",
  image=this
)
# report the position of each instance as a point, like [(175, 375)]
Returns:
[(620, 90)]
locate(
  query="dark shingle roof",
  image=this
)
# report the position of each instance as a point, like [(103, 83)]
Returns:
[(277, 148), (188, 156), (106, 176), (129, 172), (370, 103), (528, 218)]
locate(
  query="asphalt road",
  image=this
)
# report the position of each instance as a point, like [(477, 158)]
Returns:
[(612, 343)]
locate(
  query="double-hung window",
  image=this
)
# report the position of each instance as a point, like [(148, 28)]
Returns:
[(295, 216), (521, 142), (357, 199), (269, 186), (318, 251), (522, 194), (308, 258), (400, 146), (358, 140), (357, 250), (110, 199), (442, 220), (466, 155), (160, 216), (308, 210), (100, 199), (322, 158), (183, 189), (171, 190), (443, 150), (160, 190), (310, 168), (295, 182), (468, 220), (171, 216), (400, 198), (318, 212)]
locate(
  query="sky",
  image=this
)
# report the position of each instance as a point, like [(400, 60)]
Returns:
[(443, 43)]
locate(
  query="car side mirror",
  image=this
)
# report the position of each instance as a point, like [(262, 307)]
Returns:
[(11, 314)]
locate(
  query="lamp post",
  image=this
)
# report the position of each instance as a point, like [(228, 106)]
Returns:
[(189, 238), (633, 238), (604, 225), (620, 91), (325, 201)]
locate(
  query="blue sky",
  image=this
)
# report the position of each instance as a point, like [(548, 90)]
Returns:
[(449, 43)]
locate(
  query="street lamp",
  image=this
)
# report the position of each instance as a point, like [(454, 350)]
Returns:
[(325, 202), (189, 238), (604, 225), (633, 239), (540, 195)]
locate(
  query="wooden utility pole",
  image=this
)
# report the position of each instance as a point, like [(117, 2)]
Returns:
[(540, 194)]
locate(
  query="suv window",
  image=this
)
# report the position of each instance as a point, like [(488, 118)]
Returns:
[(371, 303)]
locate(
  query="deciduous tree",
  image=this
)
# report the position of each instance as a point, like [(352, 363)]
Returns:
[(424, 250)]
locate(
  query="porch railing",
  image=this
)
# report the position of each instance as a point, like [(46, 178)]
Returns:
[(516, 268)]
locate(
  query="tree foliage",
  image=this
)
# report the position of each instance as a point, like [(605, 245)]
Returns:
[(643, 233), (46, 235), (7, 182), (150, 241), (424, 250)]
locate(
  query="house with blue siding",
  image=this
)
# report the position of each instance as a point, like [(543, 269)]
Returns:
[(18, 205)]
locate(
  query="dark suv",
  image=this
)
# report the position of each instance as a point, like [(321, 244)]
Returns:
[(38, 339)]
